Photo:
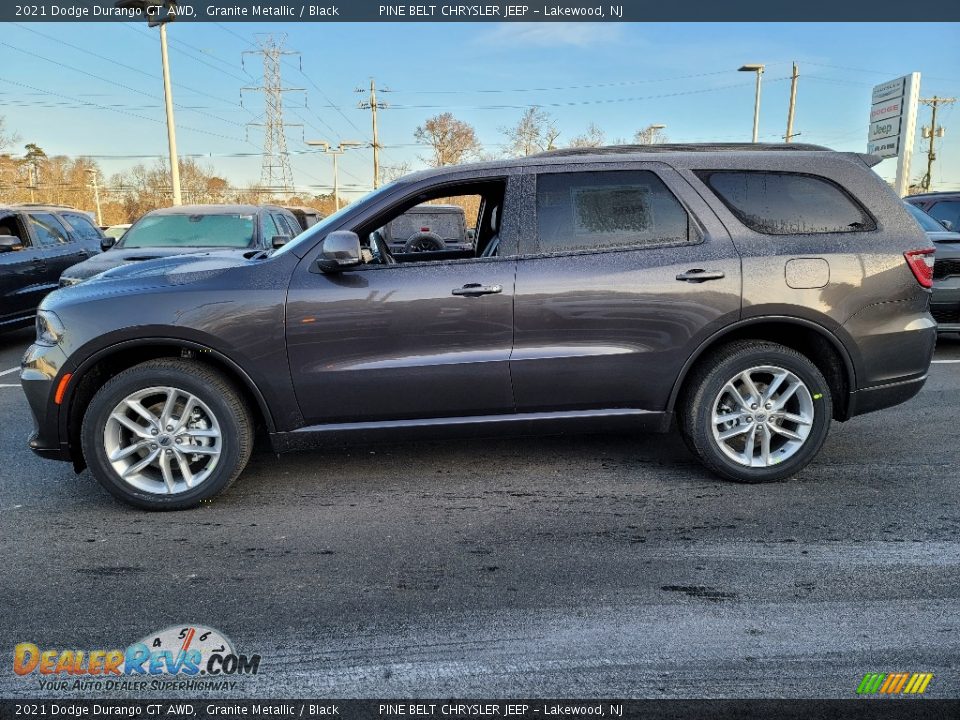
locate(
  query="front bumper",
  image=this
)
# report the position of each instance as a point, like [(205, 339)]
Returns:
[(40, 371)]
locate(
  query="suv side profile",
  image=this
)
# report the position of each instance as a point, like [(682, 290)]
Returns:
[(37, 242), (745, 295)]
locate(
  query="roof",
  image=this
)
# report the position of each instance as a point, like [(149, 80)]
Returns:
[(683, 147), (42, 206), (213, 209), (939, 193), (789, 153), (302, 208)]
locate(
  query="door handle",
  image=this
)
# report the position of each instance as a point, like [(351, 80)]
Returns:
[(698, 275), (476, 289)]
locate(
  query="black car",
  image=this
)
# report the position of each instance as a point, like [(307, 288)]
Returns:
[(190, 229), (945, 301), (37, 243), (943, 207), (306, 216), (742, 296)]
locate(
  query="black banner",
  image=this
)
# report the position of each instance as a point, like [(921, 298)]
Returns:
[(321, 11), (404, 709)]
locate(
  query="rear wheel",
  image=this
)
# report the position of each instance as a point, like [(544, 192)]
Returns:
[(756, 411), (167, 434)]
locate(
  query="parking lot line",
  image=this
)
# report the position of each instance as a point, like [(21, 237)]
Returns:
[(944, 362), (7, 372), (14, 385)]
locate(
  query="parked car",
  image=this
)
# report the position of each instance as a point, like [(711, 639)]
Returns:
[(941, 206), (306, 216), (945, 301), (746, 295), (428, 228), (116, 231), (37, 242), (190, 229)]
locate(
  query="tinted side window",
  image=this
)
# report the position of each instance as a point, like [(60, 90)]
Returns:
[(615, 208), (48, 229), (947, 210), (787, 203), (269, 229), (82, 226), (285, 226)]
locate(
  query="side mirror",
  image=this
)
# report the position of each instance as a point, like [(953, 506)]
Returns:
[(341, 250), (9, 243), (280, 240), (947, 224), (107, 242)]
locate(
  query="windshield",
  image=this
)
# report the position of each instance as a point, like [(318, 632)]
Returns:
[(330, 221), (155, 231), (927, 223)]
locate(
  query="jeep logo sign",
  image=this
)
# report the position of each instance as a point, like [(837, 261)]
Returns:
[(893, 123)]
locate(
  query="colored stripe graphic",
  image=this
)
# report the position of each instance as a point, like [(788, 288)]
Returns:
[(894, 683)]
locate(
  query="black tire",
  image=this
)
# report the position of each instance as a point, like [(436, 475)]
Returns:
[(705, 384), (204, 382)]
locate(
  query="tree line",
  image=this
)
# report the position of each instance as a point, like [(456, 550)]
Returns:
[(33, 176)]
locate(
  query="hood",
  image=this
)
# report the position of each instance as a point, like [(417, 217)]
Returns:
[(118, 257), (176, 269)]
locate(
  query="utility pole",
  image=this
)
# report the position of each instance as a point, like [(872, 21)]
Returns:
[(933, 132), (160, 12), (336, 152), (96, 194), (372, 105), (275, 172), (793, 104)]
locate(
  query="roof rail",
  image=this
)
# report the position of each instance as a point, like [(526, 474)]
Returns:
[(682, 147)]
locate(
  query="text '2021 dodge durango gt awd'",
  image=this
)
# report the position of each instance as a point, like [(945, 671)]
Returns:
[(746, 295)]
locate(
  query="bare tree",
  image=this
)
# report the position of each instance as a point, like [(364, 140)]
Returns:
[(593, 137), (451, 140), (536, 131), (389, 173), (650, 135), (7, 137)]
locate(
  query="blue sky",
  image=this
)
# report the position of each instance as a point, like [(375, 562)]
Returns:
[(619, 76)]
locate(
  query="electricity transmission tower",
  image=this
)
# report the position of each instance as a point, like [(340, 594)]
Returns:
[(275, 173)]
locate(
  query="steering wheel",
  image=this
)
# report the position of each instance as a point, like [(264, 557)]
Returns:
[(379, 250), (424, 242)]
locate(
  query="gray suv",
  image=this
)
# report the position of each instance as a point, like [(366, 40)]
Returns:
[(745, 295)]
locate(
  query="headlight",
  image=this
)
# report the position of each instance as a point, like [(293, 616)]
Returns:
[(49, 328), (68, 281)]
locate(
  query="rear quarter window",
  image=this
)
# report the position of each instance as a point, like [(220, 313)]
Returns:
[(778, 203)]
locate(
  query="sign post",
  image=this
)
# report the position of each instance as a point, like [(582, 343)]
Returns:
[(893, 124)]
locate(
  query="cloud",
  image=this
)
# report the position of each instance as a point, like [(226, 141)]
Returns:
[(551, 34)]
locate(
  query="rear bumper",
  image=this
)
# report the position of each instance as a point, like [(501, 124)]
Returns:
[(883, 396)]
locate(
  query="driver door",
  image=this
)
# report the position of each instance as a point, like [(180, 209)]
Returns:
[(412, 340)]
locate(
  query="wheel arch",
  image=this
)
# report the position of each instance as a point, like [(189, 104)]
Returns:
[(821, 346), (113, 359)]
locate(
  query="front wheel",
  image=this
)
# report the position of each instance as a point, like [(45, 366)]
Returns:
[(167, 434), (756, 411)]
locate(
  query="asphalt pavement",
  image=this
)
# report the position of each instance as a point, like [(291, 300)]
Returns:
[(595, 566)]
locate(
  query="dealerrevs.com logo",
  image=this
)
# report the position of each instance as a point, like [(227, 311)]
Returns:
[(180, 657)]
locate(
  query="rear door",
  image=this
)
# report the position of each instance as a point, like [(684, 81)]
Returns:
[(622, 274), (23, 280)]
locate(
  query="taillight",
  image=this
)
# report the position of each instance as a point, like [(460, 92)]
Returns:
[(921, 263)]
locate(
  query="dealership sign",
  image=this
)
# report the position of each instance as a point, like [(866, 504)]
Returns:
[(893, 123)]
